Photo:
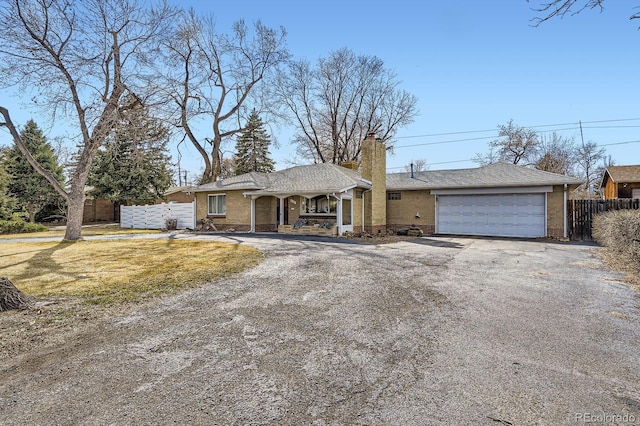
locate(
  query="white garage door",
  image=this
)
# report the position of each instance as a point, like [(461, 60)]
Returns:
[(503, 215)]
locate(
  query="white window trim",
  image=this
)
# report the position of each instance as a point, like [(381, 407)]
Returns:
[(329, 214), (209, 205)]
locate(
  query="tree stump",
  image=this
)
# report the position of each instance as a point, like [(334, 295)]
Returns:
[(11, 297)]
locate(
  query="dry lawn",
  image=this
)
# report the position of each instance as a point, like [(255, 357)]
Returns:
[(86, 231), (108, 272)]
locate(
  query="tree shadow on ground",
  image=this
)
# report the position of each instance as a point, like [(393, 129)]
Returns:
[(437, 243), (43, 260)]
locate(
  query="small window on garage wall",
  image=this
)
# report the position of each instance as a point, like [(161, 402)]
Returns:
[(358, 193), (393, 196)]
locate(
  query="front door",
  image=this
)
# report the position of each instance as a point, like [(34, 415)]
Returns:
[(346, 215), (285, 211)]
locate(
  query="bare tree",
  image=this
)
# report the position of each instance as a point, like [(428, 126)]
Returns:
[(487, 158), (336, 103), (518, 145), (419, 165), (213, 77), (588, 155), (81, 58), (607, 161), (560, 8), (556, 154)]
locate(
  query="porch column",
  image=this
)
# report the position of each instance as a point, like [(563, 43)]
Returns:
[(564, 213), (339, 215), (253, 214), (281, 218)]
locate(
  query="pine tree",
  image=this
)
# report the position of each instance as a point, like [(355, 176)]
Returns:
[(31, 190), (133, 165), (252, 148), (7, 203)]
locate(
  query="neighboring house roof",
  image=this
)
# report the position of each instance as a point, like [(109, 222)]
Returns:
[(310, 179), (174, 189), (623, 174), (490, 176), (252, 180)]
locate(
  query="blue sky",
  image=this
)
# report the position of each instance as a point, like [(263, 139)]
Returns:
[(473, 66)]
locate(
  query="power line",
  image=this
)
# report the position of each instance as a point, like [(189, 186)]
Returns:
[(575, 125), (497, 136), (471, 159), (611, 127), (467, 139), (443, 142), (618, 143), (434, 164)]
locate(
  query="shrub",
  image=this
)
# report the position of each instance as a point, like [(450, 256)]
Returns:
[(19, 226), (171, 223), (619, 230)]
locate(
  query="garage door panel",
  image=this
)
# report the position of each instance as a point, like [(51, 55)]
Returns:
[(517, 215)]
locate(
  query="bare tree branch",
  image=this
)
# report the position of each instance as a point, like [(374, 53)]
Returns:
[(560, 8), (23, 149), (218, 78), (335, 104), (80, 58)]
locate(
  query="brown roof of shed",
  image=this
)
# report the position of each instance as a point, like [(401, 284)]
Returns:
[(626, 174)]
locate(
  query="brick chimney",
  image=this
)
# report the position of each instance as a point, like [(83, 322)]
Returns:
[(373, 167)]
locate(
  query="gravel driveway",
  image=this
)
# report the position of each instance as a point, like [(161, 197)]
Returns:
[(437, 331)]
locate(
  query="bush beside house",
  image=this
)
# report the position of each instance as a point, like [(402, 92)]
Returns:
[(619, 232)]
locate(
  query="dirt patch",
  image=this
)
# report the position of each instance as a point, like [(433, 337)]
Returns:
[(621, 264), (323, 332), (46, 323)]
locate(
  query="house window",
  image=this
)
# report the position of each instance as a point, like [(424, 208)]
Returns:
[(393, 196), (358, 193), (217, 204), (319, 205)]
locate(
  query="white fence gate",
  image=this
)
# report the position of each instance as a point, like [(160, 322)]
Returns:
[(154, 216)]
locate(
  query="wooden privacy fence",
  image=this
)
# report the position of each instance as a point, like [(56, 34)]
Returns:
[(154, 216), (581, 213)]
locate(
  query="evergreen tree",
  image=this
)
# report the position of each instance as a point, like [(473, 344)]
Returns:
[(133, 165), (252, 148), (30, 189), (7, 203)]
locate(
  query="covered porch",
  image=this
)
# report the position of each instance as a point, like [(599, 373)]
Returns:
[(317, 213)]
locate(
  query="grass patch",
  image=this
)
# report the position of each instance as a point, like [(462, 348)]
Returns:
[(109, 272), (86, 232)]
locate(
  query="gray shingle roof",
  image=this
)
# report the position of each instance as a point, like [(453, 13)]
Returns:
[(247, 181), (314, 178), (327, 178), (490, 176)]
